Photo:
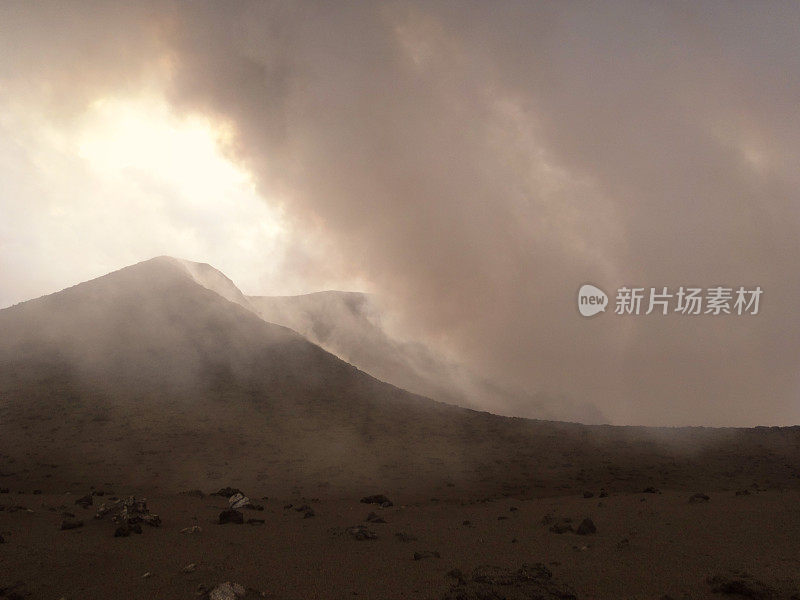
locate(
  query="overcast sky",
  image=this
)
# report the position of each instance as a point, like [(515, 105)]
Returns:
[(471, 163)]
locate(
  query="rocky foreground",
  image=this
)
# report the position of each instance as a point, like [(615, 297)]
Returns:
[(227, 545)]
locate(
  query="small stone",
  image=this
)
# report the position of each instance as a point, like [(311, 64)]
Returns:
[(84, 501), (561, 528), (71, 524), (192, 529), (194, 494), (697, 498), (377, 499), (190, 568), (426, 554), (238, 500), (360, 532), (255, 521), (227, 492), (586, 527), (231, 516)]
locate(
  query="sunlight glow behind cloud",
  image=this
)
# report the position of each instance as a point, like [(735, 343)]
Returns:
[(125, 181)]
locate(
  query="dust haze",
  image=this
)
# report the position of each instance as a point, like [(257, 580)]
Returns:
[(473, 164)]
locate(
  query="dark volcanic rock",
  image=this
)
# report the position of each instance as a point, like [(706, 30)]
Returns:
[(375, 518), (126, 529), (743, 586), (426, 554), (255, 521), (71, 524), (697, 498), (491, 583), (85, 501), (651, 490), (377, 499), (561, 528), (361, 533), (227, 492), (231, 516), (586, 527)]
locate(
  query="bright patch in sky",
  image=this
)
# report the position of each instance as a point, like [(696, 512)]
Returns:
[(125, 181), (119, 136)]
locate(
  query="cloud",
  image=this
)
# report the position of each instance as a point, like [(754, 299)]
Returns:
[(475, 164)]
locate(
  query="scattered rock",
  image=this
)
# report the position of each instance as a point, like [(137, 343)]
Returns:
[(360, 532), (375, 518), (190, 568), (255, 521), (71, 524), (561, 527), (623, 544), (405, 537), (192, 529), (502, 518), (496, 582), (467, 523), (2, 540), (308, 514), (227, 492), (231, 516), (587, 527), (744, 586), (37, 492), (194, 494), (377, 499), (458, 575), (238, 500), (603, 494), (227, 591), (426, 554), (513, 509), (126, 529), (588, 494), (697, 498), (651, 490), (147, 575), (744, 492), (84, 501)]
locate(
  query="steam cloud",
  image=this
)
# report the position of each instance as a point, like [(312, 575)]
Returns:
[(478, 162)]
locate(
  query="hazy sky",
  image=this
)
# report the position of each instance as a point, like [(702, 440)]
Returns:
[(471, 163)]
